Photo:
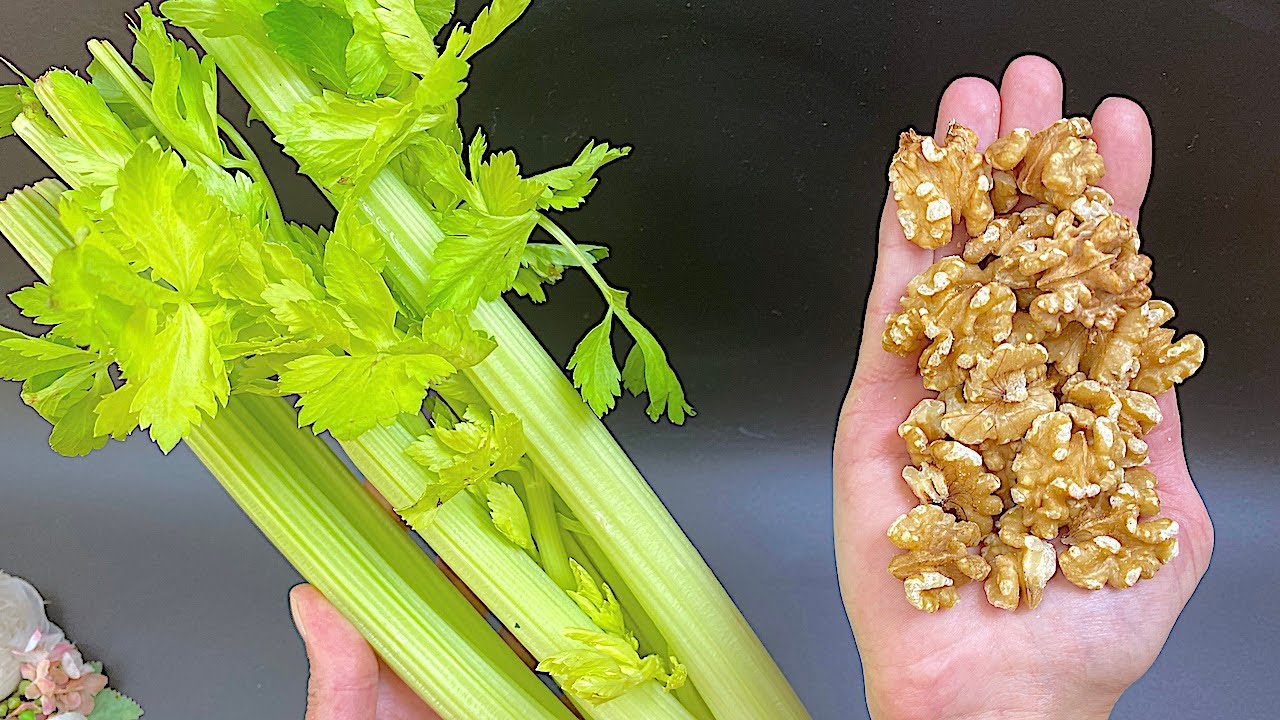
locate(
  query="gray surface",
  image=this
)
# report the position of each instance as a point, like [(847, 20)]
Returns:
[(743, 225)]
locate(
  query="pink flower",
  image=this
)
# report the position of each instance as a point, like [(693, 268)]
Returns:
[(60, 680)]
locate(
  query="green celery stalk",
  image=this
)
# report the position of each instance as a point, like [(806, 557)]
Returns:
[(569, 445), (308, 504)]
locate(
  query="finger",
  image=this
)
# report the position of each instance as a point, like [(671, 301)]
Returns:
[(397, 702), (344, 669), (1123, 134), (1030, 94), (974, 103)]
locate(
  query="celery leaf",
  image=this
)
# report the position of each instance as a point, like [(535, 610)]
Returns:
[(313, 36), (647, 370), (111, 705), (509, 515), (390, 381), (595, 370), (567, 187), (184, 94)]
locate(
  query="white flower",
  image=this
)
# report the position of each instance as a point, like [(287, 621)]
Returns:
[(22, 618), (69, 716)]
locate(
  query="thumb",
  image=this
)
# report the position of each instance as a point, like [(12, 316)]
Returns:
[(344, 669)]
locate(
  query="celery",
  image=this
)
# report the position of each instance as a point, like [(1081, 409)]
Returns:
[(310, 507), (569, 445)]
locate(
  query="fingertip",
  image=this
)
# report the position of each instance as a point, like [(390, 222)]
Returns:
[(974, 103), (1030, 94), (1122, 131)]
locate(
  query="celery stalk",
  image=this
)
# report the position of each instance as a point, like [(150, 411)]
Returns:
[(567, 442), (301, 496)]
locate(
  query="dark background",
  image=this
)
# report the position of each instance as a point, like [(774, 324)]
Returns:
[(744, 226)]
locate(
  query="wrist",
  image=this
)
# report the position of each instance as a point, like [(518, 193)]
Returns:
[(979, 700)]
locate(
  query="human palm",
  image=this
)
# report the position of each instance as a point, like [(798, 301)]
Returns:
[(1078, 650)]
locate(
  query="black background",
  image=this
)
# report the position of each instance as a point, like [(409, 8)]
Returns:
[(744, 225)]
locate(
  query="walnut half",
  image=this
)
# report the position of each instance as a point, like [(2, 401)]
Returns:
[(937, 558), (936, 186)]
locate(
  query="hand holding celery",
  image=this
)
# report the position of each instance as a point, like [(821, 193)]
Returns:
[(187, 284)]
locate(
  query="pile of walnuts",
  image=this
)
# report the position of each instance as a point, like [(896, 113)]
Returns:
[(1046, 351)]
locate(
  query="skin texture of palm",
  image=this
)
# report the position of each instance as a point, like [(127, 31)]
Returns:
[(1076, 653)]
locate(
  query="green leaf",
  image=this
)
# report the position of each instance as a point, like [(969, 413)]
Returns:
[(349, 394), (184, 93), (11, 104), (357, 285), (647, 370), (509, 516), (180, 230), (116, 416), (567, 187), (75, 433), (595, 370), (435, 14), (606, 667), (312, 36), (343, 143), (111, 705), (473, 450), (443, 83), (23, 357), (502, 189), (307, 316), (599, 603), (491, 22), (443, 164), (544, 264), (220, 18), (451, 336), (369, 65), (478, 259), (178, 369), (410, 42)]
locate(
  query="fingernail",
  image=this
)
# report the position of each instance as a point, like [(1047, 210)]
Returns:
[(297, 615)]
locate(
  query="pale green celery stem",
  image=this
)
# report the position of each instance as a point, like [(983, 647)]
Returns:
[(569, 444), (39, 139), (546, 529), (301, 496), (32, 213), (509, 582)]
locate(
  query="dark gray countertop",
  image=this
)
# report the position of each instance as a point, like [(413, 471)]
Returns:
[(743, 224)]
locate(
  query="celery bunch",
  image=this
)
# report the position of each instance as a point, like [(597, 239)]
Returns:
[(184, 298)]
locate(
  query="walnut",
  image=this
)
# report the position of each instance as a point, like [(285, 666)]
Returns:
[(954, 478), (937, 558), (936, 186), (1142, 353), (1060, 464), (1005, 392), (962, 315), (921, 428), (998, 457), (1135, 413), (1095, 274), (1111, 544), (1055, 165), (1019, 571), (1004, 191)]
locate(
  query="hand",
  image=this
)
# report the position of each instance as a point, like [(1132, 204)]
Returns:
[(1076, 653), (348, 681)]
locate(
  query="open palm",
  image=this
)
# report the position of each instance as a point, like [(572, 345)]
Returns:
[(1078, 650)]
